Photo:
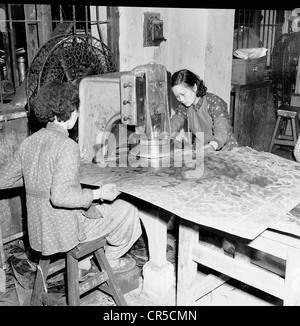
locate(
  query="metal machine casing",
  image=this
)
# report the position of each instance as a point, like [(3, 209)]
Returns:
[(138, 98)]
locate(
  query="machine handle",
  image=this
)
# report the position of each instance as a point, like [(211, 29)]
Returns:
[(126, 102)]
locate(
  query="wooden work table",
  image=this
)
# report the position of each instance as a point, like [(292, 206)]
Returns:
[(243, 194)]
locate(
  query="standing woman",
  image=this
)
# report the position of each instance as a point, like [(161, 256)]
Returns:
[(201, 111)]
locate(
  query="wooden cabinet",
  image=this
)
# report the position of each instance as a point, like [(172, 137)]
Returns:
[(253, 114), (13, 130)]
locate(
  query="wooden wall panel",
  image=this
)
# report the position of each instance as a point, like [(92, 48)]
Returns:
[(254, 115)]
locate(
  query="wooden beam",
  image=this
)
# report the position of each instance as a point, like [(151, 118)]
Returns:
[(208, 284), (38, 27), (113, 33), (292, 278), (13, 237), (187, 267), (44, 14), (12, 116), (11, 65), (244, 272), (297, 85), (289, 240), (31, 27)]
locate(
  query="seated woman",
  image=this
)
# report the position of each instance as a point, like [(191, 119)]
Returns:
[(60, 213), (202, 111)]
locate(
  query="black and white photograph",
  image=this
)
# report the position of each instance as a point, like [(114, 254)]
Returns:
[(149, 157)]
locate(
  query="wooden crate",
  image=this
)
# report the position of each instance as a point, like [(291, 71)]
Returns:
[(247, 71)]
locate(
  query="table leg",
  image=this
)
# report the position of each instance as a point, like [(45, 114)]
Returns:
[(292, 278), (187, 268), (2, 265), (158, 273)]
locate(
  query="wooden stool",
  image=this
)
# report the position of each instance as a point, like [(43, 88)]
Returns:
[(284, 114), (105, 279)]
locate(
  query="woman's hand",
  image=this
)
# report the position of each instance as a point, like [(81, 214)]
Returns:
[(210, 147), (107, 192), (180, 136)]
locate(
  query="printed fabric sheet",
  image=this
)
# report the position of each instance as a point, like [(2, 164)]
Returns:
[(242, 192)]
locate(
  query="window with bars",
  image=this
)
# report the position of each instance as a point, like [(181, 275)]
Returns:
[(252, 25), (19, 44), (86, 19), (18, 20)]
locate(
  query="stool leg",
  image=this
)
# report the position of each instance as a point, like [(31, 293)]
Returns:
[(275, 133), (297, 126), (39, 283), (294, 131), (73, 281), (112, 280)]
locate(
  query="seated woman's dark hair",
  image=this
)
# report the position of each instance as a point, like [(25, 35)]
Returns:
[(56, 98), (189, 79)]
